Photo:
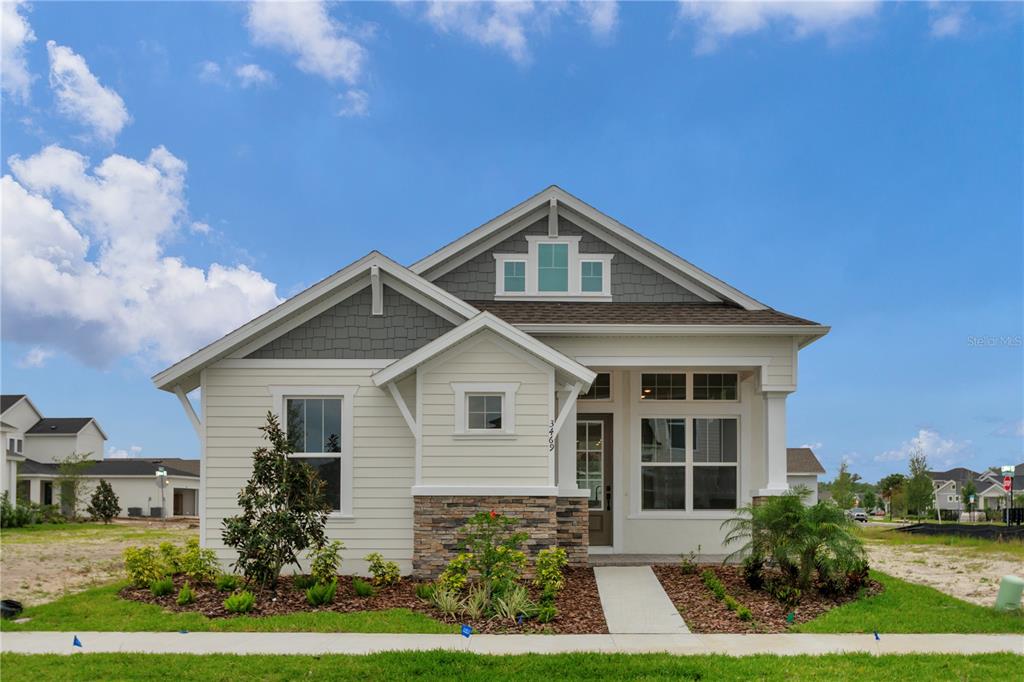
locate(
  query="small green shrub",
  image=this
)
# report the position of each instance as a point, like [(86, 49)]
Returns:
[(322, 593), (384, 573), (513, 603), (228, 582), (753, 571), (303, 582), (326, 561), (425, 591), (455, 576), (447, 601), (478, 603), (547, 613), (731, 603), (494, 551), (161, 587), (198, 563), (185, 595), (144, 565), (744, 613), (688, 562), (171, 555), (788, 595), (713, 583), (240, 602), (549, 567), (363, 588)]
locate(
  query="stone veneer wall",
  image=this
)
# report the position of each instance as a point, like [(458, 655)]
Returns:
[(438, 518)]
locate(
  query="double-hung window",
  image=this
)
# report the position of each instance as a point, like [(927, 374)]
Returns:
[(553, 267), (663, 464), (689, 463), (715, 463)]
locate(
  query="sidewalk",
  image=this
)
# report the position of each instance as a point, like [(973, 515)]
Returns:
[(635, 603), (331, 643)]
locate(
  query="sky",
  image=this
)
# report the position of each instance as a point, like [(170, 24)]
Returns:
[(171, 170)]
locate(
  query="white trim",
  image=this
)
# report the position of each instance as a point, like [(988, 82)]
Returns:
[(190, 411), (553, 217), (376, 292), (463, 390), (201, 497), (526, 491), (481, 321), (499, 279), (403, 408), (419, 427), (302, 363), (574, 286), (567, 407)]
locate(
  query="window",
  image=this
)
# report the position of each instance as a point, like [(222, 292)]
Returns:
[(515, 276), (715, 447), (553, 267), (591, 276), (601, 389), (663, 464), (715, 386), (663, 387), (18, 446), (484, 412), (314, 431), (590, 461)]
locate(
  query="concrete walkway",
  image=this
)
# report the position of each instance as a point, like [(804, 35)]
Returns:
[(311, 643), (635, 603)]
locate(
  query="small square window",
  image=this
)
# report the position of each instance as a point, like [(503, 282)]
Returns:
[(601, 389), (592, 276), (483, 412), (663, 387), (515, 276), (715, 386)]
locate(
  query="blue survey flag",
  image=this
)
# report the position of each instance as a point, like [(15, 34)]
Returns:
[(76, 642), (877, 638), (467, 631)]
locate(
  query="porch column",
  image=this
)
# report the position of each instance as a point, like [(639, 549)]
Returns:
[(775, 442), (566, 449)]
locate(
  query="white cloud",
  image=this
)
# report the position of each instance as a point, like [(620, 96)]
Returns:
[(250, 75), (121, 453), (35, 357), (81, 97), (500, 24), (947, 19), (941, 452), (84, 264), (1011, 429), (354, 103), (602, 17), (322, 45), (15, 34), (209, 72), (717, 21), (199, 227), (813, 446)]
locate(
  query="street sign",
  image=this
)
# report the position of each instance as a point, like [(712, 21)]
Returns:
[(1007, 483), (970, 499)]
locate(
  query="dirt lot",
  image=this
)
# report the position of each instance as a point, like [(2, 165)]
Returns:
[(963, 574), (40, 563)]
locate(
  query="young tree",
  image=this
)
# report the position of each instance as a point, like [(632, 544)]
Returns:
[(966, 492), (70, 481), (890, 488), (842, 487), (283, 511), (870, 500), (920, 490), (104, 504)]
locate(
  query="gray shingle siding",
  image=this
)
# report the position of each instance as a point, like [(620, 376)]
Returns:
[(632, 281), (349, 331)]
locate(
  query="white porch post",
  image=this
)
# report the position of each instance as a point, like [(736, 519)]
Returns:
[(566, 448), (775, 442)]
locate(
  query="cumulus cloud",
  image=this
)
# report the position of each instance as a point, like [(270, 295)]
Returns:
[(813, 446), (35, 357), (601, 17), (84, 263), (251, 75), (947, 20), (81, 97), (939, 451), (15, 34), (322, 46), (210, 72), (354, 103), (121, 453), (719, 21), (1011, 429)]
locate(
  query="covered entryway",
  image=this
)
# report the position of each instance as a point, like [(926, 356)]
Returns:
[(185, 502), (594, 473)]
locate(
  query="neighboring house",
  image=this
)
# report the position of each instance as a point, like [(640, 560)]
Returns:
[(552, 364), (803, 469), (989, 494), (34, 445)]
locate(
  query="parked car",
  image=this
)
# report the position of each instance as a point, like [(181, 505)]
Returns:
[(858, 514)]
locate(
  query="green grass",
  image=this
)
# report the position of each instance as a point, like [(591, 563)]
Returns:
[(973, 546), (906, 608), (100, 609), (46, 533), (466, 667)]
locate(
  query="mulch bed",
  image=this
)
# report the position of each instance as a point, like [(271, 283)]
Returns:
[(703, 613), (579, 605)]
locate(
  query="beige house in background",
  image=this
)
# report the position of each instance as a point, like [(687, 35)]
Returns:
[(551, 363)]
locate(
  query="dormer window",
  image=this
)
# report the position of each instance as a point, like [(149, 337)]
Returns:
[(553, 267)]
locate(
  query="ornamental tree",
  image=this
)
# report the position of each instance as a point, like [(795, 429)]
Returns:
[(103, 505)]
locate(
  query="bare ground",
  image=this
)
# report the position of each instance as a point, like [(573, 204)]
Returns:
[(960, 574), (47, 563)]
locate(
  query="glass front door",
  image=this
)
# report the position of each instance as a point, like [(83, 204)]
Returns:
[(593, 473)]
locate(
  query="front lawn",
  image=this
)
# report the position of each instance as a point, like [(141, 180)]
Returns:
[(907, 608), (101, 609), (970, 546), (467, 667)]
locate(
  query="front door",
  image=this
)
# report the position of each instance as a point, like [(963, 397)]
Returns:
[(594, 473)]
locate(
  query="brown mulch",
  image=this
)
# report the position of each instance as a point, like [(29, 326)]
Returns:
[(579, 605), (703, 613)]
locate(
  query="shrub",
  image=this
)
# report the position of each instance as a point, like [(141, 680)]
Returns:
[(549, 566), (513, 603), (326, 562), (384, 573), (170, 554), (753, 572), (161, 587), (103, 505), (185, 595), (227, 582), (455, 575), (731, 603), (283, 510), (547, 613), (240, 602), (744, 613), (447, 601), (425, 591), (688, 562), (144, 565), (198, 563), (303, 582), (363, 588), (478, 603), (494, 551), (784, 592), (713, 583), (322, 593)]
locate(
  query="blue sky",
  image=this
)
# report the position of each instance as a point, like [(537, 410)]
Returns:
[(857, 164)]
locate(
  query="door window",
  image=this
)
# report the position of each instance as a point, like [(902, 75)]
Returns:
[(590, 461)]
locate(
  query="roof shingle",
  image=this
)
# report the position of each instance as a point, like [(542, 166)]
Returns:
[(583, 312), (58, 426)]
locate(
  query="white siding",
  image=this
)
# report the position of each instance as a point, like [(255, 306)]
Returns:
[(522, 460), (237, 401), (90, 439), (51, 448), (809, 481)]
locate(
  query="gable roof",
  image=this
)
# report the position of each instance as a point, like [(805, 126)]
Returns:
[(105, 467), (959, 474), (480, 322), (9, 400), (602, 225), (591, 313), (802, 461), (62, 426), (186, 372)]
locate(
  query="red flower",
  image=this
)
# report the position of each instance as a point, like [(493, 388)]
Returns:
[(494, 514)]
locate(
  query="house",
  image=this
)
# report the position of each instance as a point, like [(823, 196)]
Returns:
[(552, 363), (803, 469), (949, 485), (35, 444)]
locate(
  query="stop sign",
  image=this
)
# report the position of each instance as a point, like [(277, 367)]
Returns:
[(1007, 483)]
